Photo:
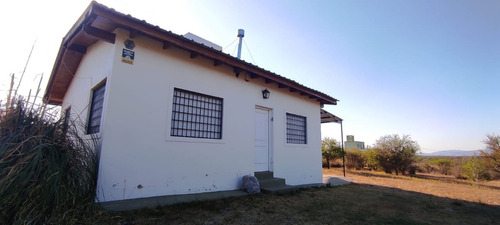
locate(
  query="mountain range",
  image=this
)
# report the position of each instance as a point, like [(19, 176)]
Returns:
[(453, 153)]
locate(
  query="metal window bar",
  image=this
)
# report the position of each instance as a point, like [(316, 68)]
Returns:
[(296, 129), (96, 107), (196, 115)]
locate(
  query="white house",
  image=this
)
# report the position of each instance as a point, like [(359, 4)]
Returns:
[(178, 118)]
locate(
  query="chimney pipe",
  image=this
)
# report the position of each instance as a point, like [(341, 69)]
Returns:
[(241, 34)]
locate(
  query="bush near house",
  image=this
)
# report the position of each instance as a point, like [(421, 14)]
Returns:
[(330, 151), (47, 172), (395, 153), (370, 156), (354, 159), (391, 153)]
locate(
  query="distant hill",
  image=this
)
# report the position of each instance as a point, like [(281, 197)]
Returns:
[(452, 153)]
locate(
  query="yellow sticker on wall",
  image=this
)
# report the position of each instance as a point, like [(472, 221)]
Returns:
[(128, 56)]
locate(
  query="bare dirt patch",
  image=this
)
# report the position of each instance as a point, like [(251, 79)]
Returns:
[(438, 185)]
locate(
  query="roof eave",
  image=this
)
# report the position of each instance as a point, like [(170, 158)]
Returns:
[(62, 49), (168, 38)]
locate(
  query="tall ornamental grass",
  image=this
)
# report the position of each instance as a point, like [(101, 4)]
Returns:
[(48, 172)]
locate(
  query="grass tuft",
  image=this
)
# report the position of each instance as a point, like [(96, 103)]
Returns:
[(48, 172)]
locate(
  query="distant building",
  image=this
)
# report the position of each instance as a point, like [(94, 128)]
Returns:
[(350, 143)]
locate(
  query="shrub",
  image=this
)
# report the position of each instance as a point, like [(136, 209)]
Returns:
[(444, 165), (395, 153), (384, 160), (413, 170), (428, 167), (473, 168), (370, 156), (330, 150), (354, 159), (47, 172)]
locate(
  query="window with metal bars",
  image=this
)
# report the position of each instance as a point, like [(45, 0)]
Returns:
[(296, 127), (96, 107), (196, 115)]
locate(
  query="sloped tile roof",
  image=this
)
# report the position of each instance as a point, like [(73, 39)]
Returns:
[(97, 23)]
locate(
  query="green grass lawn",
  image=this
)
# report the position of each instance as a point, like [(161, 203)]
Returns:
[(348, 204)]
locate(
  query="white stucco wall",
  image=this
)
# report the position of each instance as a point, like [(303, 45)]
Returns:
[(94, 68), (140, 159)]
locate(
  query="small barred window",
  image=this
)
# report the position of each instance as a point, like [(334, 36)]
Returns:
[(96, 107), (296, 127), (196, 115)]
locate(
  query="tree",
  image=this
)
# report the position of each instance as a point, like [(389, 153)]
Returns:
[(395, 153), (330, 150), (492, 155)]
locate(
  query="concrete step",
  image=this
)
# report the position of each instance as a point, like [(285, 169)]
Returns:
[(271, 182), (275, 185), (264, 175), (280, 189)]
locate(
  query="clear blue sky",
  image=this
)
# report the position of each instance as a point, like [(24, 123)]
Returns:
[(427, 68)]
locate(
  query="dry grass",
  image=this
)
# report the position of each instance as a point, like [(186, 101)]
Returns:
[(373, 199), (487, 192), (48, 172)]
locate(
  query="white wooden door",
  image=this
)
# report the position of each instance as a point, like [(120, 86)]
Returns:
[(261, 140)]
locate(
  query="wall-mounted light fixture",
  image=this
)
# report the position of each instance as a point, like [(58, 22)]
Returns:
[(266, 93), (129, 44)]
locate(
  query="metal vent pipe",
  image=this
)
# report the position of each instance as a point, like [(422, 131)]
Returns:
[(241, 34)]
